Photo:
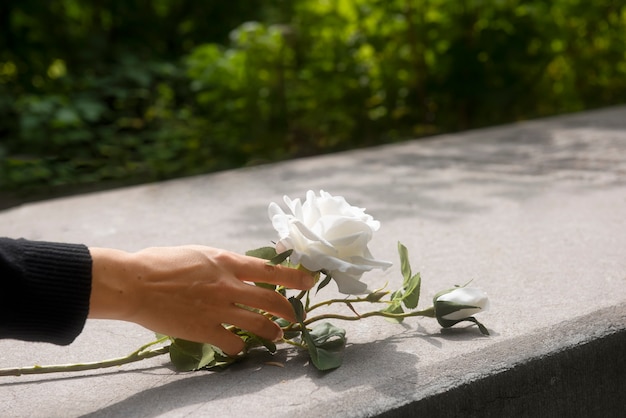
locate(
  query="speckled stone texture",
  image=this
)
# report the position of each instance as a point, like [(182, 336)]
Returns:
[(534, 213)]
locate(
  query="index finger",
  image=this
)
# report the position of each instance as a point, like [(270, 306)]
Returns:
[(257, 270)]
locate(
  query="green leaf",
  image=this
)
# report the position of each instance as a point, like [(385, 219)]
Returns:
[(444, 308), (449, 323), (298, 309), (323, 283), (281, 322), (279, 258), (252, 340), (394, 308), (351, 307), (411, 284), (66, 117), (289, 335), (266, 285), (189, 355), (411, 295), (328, 336), (376, 296), (322, 357), (405, 266), (481, 327), (265, 253)]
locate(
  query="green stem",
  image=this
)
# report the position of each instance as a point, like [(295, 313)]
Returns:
[(331, 301), (291, 342), (428, 312), (141, 354)]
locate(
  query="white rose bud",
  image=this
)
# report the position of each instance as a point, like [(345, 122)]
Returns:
[(327, 233), (459, 304)]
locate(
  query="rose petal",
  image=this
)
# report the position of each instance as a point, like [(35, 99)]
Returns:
[(348, 285), (327, 233)]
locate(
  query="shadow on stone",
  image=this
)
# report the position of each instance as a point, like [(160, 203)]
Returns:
[(584, 381)]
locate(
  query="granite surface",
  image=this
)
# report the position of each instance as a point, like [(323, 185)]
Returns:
[(534, 213)]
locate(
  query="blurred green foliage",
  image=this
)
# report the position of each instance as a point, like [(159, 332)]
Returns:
[(140, 90)]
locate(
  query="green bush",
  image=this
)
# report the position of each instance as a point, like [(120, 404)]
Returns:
[(340, 74), (141, 91)]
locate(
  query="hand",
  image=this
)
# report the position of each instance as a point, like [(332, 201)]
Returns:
[(190, 292)]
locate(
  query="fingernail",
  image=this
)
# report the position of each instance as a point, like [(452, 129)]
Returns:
[(280, 336)]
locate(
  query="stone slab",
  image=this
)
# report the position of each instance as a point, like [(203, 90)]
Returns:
[(534, 213)]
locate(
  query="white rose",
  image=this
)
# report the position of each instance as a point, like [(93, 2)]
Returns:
[(327, 233), (460, 303)]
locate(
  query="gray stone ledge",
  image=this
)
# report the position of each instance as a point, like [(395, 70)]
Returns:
[(580, 375), (534, 212)]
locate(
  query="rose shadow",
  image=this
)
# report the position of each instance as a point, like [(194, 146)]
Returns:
[(261, 369)]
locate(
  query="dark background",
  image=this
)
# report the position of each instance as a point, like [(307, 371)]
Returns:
[(104, 93)]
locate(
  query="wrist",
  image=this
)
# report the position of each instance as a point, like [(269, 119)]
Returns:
[(111, 288)]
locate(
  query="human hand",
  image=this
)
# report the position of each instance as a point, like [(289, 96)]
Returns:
[(189, 292)]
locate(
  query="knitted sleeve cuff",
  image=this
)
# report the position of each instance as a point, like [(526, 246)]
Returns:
[(48, 297)]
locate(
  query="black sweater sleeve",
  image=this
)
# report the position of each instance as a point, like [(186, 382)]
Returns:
[(44, 290)]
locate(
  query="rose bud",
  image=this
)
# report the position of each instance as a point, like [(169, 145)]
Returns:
[(459, 304)]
